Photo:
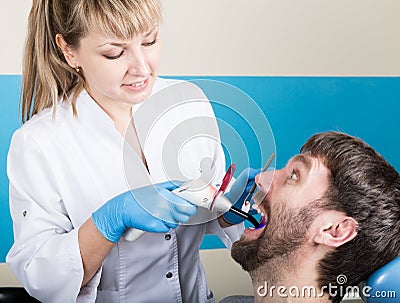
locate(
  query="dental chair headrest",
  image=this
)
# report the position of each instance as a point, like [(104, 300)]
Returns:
[(384, 284)]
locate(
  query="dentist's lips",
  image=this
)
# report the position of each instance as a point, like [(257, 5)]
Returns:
[(137, 86)]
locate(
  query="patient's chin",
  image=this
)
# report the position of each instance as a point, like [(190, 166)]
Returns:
[(275, 241), (245, 253), (284, 234)]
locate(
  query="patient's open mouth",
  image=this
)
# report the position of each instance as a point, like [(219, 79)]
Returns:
[(252, 233), (263, 220)]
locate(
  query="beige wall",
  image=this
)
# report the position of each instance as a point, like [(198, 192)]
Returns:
[(257, 37), (219, 266), (225, 277), (7, 278), (13, 20), (282, 37)]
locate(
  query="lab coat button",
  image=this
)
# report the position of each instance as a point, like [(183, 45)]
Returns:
[(24, 213), (169, 275), (167, 237)]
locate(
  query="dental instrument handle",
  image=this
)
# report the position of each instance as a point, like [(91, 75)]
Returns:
[(245, 216), (253, 188), (201, 194), (196, 192), (131, 234), (222, 204)]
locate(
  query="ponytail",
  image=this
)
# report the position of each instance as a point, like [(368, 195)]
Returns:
[(45, 75)]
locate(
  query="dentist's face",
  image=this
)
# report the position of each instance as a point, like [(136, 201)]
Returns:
[(119, 71), (289, 198)]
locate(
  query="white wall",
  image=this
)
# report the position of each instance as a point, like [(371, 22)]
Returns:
[(257, 37)]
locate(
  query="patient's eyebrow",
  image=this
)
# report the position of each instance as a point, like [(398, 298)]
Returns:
[(303, 159)]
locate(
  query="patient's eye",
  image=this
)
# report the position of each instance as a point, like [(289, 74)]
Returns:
[(294, 175)]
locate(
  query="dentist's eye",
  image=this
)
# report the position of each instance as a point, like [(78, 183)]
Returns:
[(150, 43), (113, 57)]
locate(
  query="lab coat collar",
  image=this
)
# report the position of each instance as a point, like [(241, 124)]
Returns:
[(88, 110)]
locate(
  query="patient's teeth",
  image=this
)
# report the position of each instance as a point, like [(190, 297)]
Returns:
[(257, 208)]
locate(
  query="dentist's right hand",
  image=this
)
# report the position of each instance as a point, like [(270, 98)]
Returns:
[(151, 208)]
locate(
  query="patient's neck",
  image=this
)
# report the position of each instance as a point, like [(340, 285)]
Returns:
[(288, 279)]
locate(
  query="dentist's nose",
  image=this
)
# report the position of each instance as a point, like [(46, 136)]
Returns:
[(137, 65), (264, 180)]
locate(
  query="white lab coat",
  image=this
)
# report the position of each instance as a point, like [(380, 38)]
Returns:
[(62, 169)]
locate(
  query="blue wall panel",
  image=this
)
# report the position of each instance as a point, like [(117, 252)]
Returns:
[(9, 122), (296, 108)]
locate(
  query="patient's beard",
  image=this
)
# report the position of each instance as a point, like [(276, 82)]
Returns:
[(284, 234)]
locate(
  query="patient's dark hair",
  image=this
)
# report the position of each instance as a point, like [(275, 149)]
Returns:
[(366, 187)]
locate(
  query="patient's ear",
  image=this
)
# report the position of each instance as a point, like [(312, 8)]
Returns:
[(335, 229)]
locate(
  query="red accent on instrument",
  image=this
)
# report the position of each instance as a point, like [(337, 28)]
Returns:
[(225, 182)]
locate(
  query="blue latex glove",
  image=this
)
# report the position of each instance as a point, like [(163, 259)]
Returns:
[(238, 193), (151, 208)]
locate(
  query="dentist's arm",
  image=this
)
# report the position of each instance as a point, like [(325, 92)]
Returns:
[(151, 208), (93, 248)]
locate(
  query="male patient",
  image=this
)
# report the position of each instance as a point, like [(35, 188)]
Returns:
[(333, 218)]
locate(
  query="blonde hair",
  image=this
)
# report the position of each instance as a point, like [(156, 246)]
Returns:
[(46, 76)]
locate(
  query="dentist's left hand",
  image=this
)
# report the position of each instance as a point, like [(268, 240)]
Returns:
[(238, 193), (151, 208)]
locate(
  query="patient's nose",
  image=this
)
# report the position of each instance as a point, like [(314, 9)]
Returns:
[(264, 180)]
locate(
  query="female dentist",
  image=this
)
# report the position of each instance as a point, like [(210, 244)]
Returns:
[(76, 185)]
